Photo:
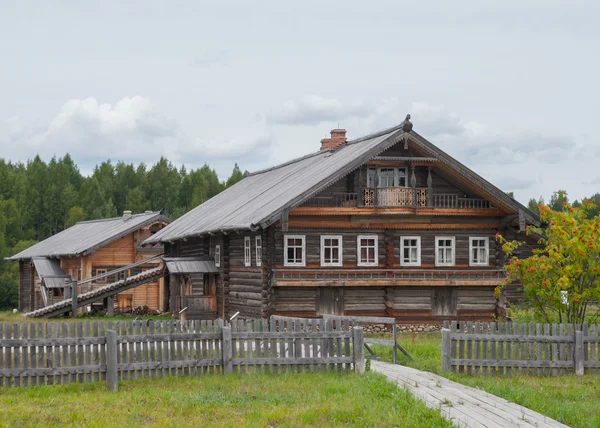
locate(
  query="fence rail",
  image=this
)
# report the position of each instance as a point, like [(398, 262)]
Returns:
[(81, 352), (514, 348)]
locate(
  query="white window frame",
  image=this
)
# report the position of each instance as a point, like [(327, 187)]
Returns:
[(487, 250), (402, 261), (359, 262), (258, 249), (453, 239), (339, 246), (285, 250), (217, 255), (247, 251)]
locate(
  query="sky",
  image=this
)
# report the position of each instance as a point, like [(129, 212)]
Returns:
[(509, 88)]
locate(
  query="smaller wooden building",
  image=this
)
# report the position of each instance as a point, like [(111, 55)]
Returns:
[(92, 249)]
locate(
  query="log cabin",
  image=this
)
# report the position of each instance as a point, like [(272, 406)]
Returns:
[(93, 253), (383, 225)]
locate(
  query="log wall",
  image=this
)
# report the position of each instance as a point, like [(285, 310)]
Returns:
[(118, 253), (25, 286), (246, 283)]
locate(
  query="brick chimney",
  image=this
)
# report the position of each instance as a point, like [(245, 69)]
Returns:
[(338, 137)]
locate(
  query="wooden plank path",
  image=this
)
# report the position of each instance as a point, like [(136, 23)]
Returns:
[(463, 405)]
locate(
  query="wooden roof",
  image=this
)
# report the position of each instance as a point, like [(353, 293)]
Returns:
[(85, 236), (259, 199)]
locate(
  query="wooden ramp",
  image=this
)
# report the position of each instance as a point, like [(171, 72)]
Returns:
[(100, 293), (463, 405)]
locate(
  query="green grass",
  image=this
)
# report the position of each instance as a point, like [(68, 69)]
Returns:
[(259, 400), (572, 400)]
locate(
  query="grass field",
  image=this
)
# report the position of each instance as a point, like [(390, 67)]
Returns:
[(572, 400), (233, 400)]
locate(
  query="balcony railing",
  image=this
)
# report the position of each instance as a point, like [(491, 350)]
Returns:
[(397, 197), (334, 200), (454, 201), (377, 274)]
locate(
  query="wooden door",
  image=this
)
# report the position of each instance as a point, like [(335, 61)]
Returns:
[(330, 301), (443, 301)]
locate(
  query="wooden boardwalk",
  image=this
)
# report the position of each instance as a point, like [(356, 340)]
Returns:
[(463, 405)]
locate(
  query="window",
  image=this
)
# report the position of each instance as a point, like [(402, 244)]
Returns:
[(123, 274), (217, 255), (367, 250), (478, 251), (258, 245), (386, 177), (294, 248), (372, 177), (444, 250), (101, 272), (401, 177), (331, 250), (247, 252), (410, 251)]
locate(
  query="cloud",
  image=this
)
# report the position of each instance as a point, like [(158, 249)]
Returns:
[(510, 183), (211, 59), (314, 109), (132, 130)]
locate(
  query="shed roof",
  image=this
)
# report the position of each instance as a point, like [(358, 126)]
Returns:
[(85, 236), (50, 272), (178, 265), (260, 198)]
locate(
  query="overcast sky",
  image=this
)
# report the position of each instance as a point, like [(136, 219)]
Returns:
[(510, 89)]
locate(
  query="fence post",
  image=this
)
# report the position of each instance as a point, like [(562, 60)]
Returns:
[(446, 339), (395, 332), (227, 351), (359, 352), (111, 360), (74, 299), (579, 370)]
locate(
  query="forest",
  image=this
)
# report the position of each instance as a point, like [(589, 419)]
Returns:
[(39, 199)]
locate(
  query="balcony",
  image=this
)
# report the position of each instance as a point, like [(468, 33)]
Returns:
[(388, 277), (400, 197)]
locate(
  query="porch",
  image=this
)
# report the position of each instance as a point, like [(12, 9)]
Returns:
[(193, 284)]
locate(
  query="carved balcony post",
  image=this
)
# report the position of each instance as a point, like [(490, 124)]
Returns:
[(413, 184), (429, 188)]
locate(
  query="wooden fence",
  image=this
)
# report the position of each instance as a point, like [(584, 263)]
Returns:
[(515, 348), (81, 352)]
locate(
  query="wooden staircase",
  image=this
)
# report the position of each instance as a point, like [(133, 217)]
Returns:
[(100, 293)]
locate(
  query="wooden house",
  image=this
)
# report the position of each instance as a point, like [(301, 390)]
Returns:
[(94, 253), (383, 225)]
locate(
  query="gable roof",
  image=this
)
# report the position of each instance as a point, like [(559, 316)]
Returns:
[(86, 236), (260, 198)]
